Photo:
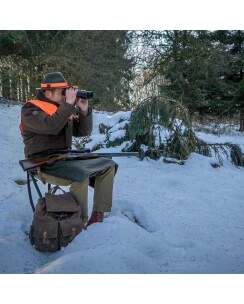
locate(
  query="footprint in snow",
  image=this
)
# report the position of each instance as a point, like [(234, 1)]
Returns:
[(138, 215)]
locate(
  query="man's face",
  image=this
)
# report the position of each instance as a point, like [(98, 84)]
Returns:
[(55, 95)]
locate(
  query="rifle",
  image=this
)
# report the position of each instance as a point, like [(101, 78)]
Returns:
[(51, 157)]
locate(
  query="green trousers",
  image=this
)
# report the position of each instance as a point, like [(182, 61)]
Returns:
[(103, 190)]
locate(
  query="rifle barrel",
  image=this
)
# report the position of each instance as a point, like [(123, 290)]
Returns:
[(116, 154), (31, 163)]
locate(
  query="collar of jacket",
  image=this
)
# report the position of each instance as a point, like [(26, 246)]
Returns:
[(40, 95)]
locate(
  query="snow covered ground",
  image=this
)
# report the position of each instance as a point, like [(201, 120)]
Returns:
[(166, 218)]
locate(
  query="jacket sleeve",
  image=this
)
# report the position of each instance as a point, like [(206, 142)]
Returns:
[(83, 125), (35, 120)]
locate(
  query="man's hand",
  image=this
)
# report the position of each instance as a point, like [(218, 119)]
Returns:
[(82, 104), (73, 116), (70, 95)]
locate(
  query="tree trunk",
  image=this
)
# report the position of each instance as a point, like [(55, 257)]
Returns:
[(241, 119)]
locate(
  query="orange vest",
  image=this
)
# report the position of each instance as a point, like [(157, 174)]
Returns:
[(45, 106)]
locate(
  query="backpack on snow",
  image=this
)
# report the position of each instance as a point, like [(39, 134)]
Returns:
[(56, 222)]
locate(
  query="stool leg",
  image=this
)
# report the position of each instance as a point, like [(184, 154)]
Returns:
[(36, 186), (29, 192)]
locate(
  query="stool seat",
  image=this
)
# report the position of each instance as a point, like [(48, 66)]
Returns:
[(32, 175)]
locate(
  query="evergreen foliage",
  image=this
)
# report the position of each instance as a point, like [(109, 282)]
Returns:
[(163, 124), (177, 139), (202, 69), (93, 60)]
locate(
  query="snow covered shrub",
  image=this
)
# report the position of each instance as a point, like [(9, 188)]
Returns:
[(109, 130), (157, 127), (162, 124), (117, 134), (80, 143), (221, 151), (103, 129)]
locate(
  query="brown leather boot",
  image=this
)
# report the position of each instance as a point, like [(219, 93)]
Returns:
[(96, 217)]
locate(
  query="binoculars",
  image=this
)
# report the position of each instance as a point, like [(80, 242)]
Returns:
[(82, 94)]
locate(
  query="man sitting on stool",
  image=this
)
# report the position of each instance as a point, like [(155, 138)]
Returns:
[(48, 123)]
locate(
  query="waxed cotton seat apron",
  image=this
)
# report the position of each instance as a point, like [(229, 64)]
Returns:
[(79, 170)]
